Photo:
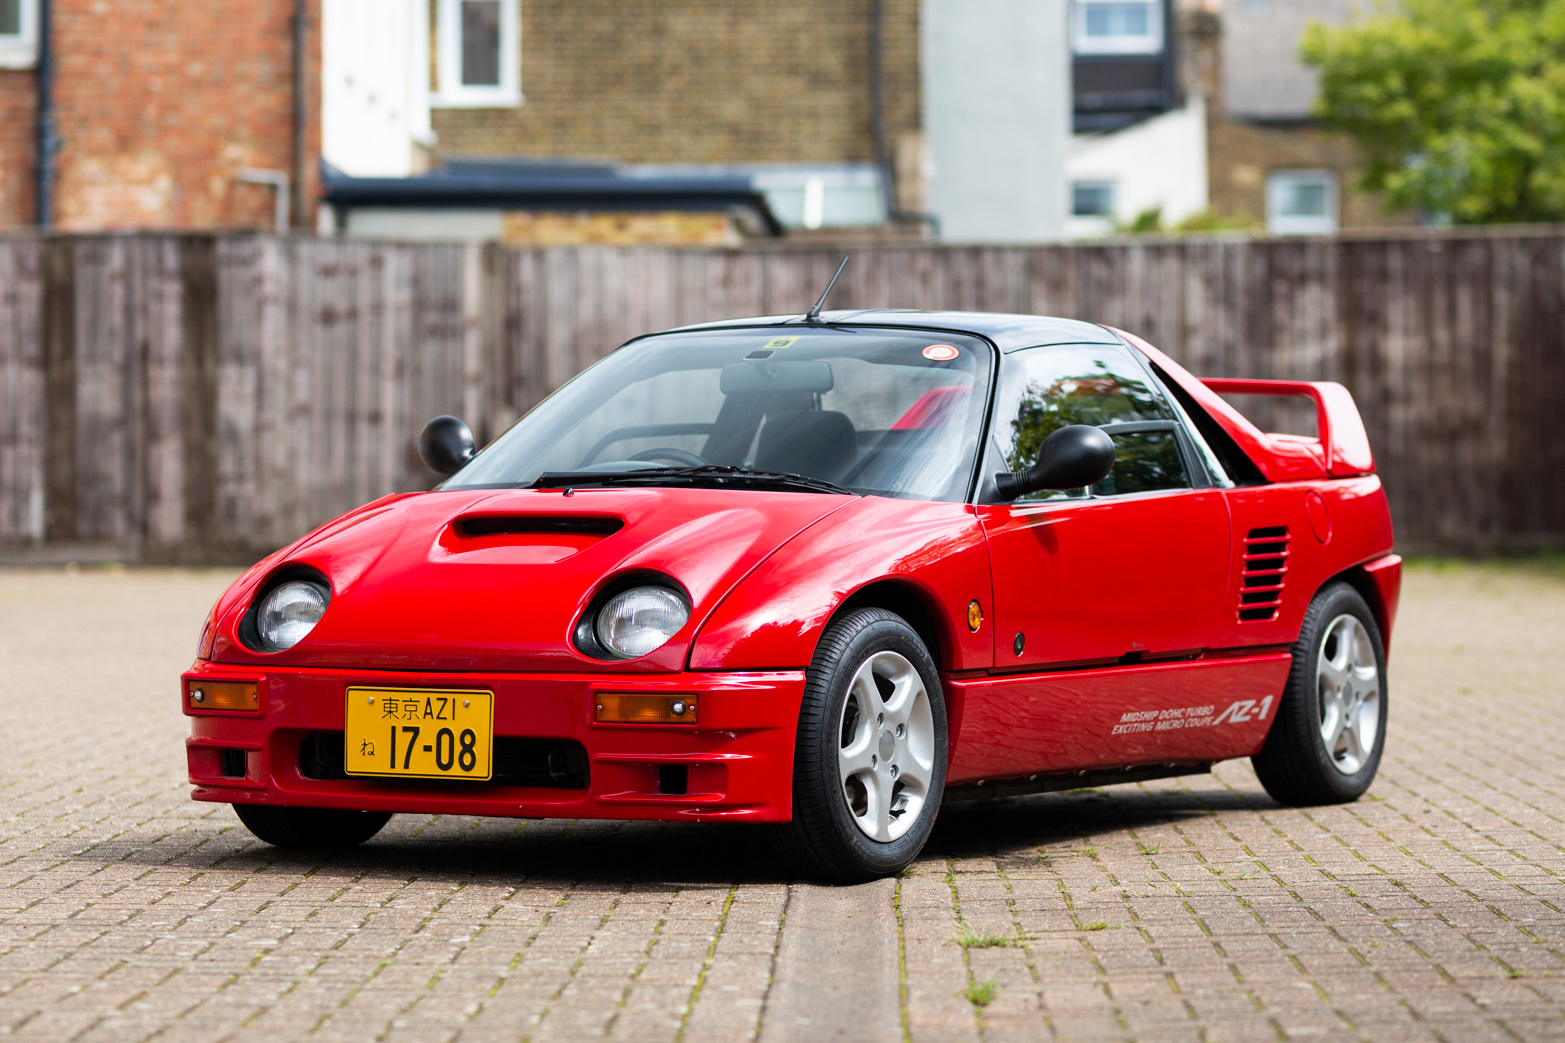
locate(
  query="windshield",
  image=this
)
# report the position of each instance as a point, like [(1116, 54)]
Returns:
[(880, 411)]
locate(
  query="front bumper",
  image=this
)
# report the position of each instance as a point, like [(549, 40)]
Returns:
[(735, 764)]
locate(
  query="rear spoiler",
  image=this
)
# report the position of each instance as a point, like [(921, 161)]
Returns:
[(1342, 445), (1341, 450)]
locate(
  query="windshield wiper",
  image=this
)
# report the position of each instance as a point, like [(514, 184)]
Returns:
[(707, 474)]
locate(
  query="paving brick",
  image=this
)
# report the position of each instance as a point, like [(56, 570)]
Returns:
[(1429, 910)]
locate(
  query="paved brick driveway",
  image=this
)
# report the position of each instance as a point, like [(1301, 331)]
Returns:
[(1194, 909)]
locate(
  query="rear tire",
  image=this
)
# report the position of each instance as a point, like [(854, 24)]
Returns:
[(311, 828), (870, 761), (1330, 730)]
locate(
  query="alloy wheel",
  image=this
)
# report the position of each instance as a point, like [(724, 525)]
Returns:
[(886, 748), (1347, 681)]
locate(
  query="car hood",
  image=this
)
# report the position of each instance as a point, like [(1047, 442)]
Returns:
[(492, 580)]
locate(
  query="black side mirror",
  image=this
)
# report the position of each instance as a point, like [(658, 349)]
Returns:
[(1071, 458), (445, 445)]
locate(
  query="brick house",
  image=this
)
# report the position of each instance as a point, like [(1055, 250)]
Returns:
[(1269, 160), (703, 81), (808, 102), (182, 115), (1139, 145), (843, 113), (1192, 109)]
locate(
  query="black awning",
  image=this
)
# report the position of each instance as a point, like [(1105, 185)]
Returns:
[(543, 188)]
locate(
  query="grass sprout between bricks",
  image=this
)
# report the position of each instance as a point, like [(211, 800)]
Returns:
[(971, 940), (982, 993)]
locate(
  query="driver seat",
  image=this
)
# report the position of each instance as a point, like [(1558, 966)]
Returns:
[(819, 443)]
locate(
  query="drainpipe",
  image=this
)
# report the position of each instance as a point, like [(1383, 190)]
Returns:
[(300, 58), (1171, 84), (279, 184), (877, 64), (48, 141)]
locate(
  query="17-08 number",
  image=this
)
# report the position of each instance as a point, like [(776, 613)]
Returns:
[(446, 748)]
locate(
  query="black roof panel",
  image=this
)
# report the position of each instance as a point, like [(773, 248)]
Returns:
[(1008, 332)]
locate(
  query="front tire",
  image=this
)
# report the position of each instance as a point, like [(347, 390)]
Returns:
[(1326, 742), (311, 828), (870, 760)]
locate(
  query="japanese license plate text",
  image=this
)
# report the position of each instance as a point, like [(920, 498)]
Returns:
[(422, 733)]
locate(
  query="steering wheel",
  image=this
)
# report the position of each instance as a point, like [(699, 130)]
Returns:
[(669, 454)]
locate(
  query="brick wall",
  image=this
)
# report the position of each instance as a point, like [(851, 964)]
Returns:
[(16, 148), (1240, 155), (699, 81), (159, 104)]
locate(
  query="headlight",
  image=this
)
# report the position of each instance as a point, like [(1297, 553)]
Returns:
[(290, 612), (639, 620)]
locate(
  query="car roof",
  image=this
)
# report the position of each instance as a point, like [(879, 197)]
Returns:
[(1008, 332)]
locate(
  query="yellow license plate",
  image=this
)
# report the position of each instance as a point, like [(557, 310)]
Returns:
[(419, 733)]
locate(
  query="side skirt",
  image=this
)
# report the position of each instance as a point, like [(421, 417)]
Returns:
[(994, 789)]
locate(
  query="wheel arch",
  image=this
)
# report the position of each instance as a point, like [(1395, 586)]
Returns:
[(1378, 582), (907, 601), (928, 620)]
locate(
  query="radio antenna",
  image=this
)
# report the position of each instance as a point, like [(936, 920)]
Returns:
[(814, 314)]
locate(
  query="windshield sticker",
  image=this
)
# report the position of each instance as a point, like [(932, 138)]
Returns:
[(778, 343), (940, 353), (1240, 712)]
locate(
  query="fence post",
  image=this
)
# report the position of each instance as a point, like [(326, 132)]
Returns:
[(198, 429), (59, 345)]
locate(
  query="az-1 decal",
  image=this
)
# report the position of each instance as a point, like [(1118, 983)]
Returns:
[(1238, 712)]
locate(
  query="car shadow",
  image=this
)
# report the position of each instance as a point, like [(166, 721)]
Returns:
[(677, 855), (1025, 826)]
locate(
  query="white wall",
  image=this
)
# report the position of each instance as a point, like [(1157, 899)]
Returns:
[(1263, 77), (431, 225), (375, 86), (1160, 162), (997, 111)]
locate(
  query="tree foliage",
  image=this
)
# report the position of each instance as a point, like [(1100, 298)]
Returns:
[(1457, 105), (1143, 461)]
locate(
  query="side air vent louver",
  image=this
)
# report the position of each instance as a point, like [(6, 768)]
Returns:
[(1265, 568)]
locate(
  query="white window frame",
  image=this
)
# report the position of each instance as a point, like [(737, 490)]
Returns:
[(1278, 223), (452, 93), (1152, 43), (1095, 182), (20, 50)]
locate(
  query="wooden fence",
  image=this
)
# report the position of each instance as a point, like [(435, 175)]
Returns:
[(203, 397)]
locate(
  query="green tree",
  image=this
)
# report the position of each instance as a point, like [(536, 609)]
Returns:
[(1458, 106)]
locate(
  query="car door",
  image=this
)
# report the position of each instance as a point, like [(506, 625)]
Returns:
[(1130, 575), (1137, 566)]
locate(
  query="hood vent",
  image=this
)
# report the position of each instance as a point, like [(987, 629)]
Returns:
[(534, 524), (525, 539), (1265, 568)]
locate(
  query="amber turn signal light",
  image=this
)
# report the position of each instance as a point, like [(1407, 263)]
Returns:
[(222, 695), (639, 708)]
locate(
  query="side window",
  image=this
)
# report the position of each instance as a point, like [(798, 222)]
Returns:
[(1046, 389)]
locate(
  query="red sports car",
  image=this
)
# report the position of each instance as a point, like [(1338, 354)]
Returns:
[(824, 573)]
